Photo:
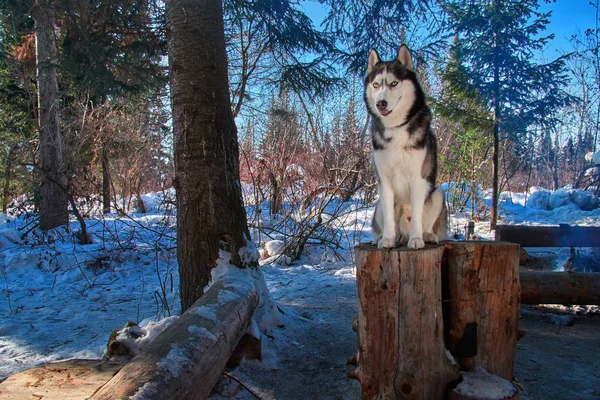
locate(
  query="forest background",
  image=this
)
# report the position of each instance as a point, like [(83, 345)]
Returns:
[(515, 106)]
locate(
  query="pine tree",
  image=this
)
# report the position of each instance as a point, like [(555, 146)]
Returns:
[(497, 40), (361, 25)]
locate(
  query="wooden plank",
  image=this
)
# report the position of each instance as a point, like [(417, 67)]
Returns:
[(549, 236), (566, 288), (185, 361)]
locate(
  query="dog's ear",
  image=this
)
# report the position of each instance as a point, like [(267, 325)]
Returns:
[(405, 58), (373, 59)]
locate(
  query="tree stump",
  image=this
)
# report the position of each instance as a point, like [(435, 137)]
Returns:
[(419, 308), (401, 352), (482, 304)]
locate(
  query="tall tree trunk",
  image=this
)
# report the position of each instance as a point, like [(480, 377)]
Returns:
[(496, 162), (105, 181), (8, 177), (53, 199), (210, 211)]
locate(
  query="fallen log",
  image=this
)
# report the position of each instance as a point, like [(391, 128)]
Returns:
[(566, 288), (185, 361)]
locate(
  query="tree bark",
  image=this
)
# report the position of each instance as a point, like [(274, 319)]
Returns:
[(53, 199), (401, 351), (482, 305), (566, 288), (210, 212)]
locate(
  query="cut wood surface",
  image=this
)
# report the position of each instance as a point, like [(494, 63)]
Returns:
[(549, 236), (482, 304), (566, 288), (401, 352), (66, 380), (185, 361)]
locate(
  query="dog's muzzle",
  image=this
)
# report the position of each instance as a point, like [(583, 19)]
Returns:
[(382, 107)]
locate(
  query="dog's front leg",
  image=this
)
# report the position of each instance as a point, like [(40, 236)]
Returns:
[(386, 202), (418, 192)]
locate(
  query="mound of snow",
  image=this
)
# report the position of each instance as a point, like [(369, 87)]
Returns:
[(539, 198), (594, 158), (543, 199), (585, 200), (559, 198), (273, 248)]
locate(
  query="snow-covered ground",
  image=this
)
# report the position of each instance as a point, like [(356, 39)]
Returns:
[(61, 300)]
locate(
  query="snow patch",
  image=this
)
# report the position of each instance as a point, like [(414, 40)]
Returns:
[(479, 384), (148, 391), (11, 235), (274, 248), (226, 296), (200, 331), (137, 337), (249, 254), (175, 362), (207, 312)]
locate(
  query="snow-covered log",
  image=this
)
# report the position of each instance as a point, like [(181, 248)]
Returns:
[(482, 304), (566, 288), (401, 352), (185, 361)]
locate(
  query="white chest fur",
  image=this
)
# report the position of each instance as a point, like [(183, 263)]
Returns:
[(399, 165)]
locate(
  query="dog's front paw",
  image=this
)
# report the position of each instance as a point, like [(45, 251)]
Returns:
[(385, 243), (416, 243), (430, 237)]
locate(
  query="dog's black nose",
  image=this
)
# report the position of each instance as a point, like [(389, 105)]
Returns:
[(381, 104)]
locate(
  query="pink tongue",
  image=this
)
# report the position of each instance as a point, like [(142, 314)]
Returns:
[(384, 112)]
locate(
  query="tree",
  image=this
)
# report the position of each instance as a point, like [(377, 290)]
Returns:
[(127, 61), (362, 25), (496, 41), (87, 67), (210, 212), (53, 199), (464, 156)]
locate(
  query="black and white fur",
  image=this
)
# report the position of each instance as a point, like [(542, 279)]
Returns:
[(410, 209)]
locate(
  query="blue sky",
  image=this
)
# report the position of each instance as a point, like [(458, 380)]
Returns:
[(568, 17)]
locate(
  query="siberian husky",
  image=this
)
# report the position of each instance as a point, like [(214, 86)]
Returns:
[(410, 210)]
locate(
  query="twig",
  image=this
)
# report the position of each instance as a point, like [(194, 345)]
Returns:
[(7, 290), (227, 374)]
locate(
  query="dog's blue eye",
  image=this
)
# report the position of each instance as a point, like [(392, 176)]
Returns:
[(375, 85), (394, 83)]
